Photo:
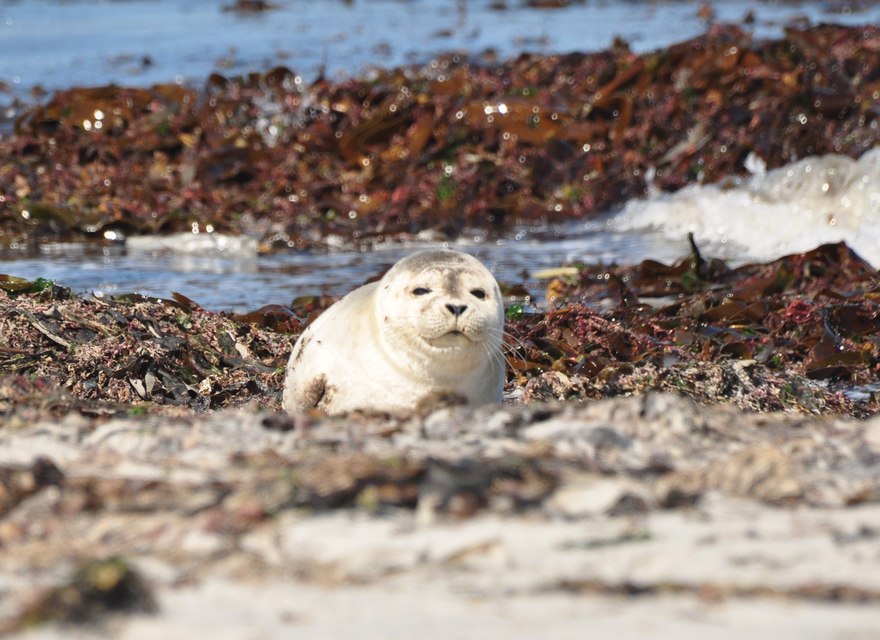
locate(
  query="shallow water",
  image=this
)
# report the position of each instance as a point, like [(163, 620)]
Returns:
[(243, 281), (63, 43)]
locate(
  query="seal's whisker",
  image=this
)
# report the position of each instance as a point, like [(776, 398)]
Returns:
[(495, 355), (514, 350)]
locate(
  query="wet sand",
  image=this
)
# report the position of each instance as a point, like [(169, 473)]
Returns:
[(644, 515)]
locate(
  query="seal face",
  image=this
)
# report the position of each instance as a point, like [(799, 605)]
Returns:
[(433, 324)]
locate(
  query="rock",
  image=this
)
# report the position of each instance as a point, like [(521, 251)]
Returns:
[(591, 496), (762, 472)]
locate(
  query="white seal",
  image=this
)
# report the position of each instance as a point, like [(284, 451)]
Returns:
[(433, 324)]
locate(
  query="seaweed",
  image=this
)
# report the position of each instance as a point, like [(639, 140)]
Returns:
[(452, 145), (710, 331)]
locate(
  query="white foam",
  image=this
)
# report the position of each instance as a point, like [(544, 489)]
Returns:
[(205, 243), (794, 208)]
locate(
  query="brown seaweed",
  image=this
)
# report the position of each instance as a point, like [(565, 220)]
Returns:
[(449, 145)]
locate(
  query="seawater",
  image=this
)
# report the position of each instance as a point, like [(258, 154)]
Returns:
[(791, 209), (220, 277), (788, 210), (57, 44)]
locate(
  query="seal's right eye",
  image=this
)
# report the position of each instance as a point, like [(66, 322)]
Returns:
[(420, 291)]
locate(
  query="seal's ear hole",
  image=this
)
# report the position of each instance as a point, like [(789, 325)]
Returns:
[(479, 294), (421, 291)]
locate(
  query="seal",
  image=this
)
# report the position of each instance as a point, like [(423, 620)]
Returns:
[(432, 325)]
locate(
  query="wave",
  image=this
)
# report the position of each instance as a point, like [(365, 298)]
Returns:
[(794, 208)]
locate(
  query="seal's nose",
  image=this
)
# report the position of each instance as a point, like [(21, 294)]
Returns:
[(456, 309)]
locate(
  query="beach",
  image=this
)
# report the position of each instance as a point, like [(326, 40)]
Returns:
[(684, 232)]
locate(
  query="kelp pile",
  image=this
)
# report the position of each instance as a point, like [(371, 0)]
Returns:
[(788, 335), (452, 145), (768, 336), (105, 356)]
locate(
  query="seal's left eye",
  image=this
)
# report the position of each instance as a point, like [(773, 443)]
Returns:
[(479, 294), (420, 291)]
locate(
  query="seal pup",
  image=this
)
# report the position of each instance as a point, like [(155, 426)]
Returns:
[(432, 325)]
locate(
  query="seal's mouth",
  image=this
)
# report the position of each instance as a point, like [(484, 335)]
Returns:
[(452, 338)]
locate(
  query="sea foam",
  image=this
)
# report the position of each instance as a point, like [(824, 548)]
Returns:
[(794, 208)]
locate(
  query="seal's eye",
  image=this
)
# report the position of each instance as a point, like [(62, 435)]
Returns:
[(421, 291), (479, 294)]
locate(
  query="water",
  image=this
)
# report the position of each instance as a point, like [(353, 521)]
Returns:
[(241, 280), (787, 210), (62, 43)]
